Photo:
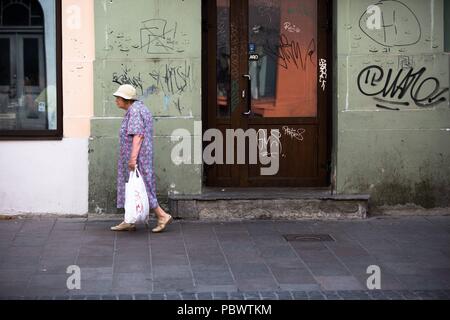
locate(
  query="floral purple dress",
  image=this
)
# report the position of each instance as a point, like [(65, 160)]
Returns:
[(138, 120)]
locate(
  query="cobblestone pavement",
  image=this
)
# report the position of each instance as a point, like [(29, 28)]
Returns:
[(249, 260)]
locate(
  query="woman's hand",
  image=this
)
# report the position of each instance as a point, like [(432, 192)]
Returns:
[(132, 164)]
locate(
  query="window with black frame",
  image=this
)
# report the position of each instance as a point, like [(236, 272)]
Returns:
[(29, 104)]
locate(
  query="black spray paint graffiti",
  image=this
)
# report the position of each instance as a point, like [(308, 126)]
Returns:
[(157, 38), (173, 79), (289, 52), (400, 26), (125, 78), (373, 81)]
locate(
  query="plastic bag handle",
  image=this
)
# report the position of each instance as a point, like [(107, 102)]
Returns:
[(138, 173)]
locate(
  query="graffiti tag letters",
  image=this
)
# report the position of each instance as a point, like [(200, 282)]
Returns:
[(126, 78), (294, 134), (290, 52), (425, 92), (323, 73), (173, 79), (157, 38), (400, 26)]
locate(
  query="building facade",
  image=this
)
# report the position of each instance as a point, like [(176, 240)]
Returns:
[(351, 96)]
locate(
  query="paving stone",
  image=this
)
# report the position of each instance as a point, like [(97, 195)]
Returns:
[(339, 283), (300, 295), (284, 295), (204, 296), (157, 296), (424, 294), (445, 292), (257, 284), (315, 295), (49, 281), (331, 296), (377, 295), (434, 295), (409, 295), (172, 285), (188, 296), (269, 296), (173, 296), (393, 295), (236, 296), (353, 295), (220, 295), (252, 296)]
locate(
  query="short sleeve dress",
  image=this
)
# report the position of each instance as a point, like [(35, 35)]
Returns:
[(138, 120)]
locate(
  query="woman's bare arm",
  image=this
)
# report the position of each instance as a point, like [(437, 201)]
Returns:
[(136, 147)]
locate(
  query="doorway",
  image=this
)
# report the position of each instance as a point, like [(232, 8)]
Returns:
[(267, 71)]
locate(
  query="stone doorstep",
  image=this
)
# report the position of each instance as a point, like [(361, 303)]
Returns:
[(282, 204)]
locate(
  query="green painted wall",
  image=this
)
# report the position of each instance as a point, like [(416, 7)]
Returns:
[(156, 46), (402, 156)]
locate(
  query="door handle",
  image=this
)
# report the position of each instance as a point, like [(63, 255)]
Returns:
[(249, 98)]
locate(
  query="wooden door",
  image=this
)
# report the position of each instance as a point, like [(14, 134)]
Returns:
[(268, 71)]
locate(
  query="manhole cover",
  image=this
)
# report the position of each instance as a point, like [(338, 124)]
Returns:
[(308, 237)]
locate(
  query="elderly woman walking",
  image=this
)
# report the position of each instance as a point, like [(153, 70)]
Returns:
[(136, 150)]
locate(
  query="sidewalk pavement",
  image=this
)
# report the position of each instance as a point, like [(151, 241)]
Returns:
[(226, 260)]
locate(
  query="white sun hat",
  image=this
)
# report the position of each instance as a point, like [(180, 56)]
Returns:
[(127, 92)]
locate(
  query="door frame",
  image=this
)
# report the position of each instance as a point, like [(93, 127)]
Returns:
[(325, 50)]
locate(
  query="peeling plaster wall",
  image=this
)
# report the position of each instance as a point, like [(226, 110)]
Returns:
[(393, 137), (155, 46)]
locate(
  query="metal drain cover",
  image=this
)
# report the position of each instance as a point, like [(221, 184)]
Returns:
[(308, 237)]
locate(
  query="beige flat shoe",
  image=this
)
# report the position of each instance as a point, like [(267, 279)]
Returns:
[(161, 226), (124, 227)]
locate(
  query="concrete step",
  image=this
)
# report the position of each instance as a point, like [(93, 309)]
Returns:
[(268, 203)]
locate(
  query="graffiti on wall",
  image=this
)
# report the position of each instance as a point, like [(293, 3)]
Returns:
[(157, 36), (323, 74), (395, 24), (290, 27), (290, 53), (392, 89), (171, 80), (126, 77), (293, 133), (398, 26)]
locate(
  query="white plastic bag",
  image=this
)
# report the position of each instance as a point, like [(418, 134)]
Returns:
[(136, 199)]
